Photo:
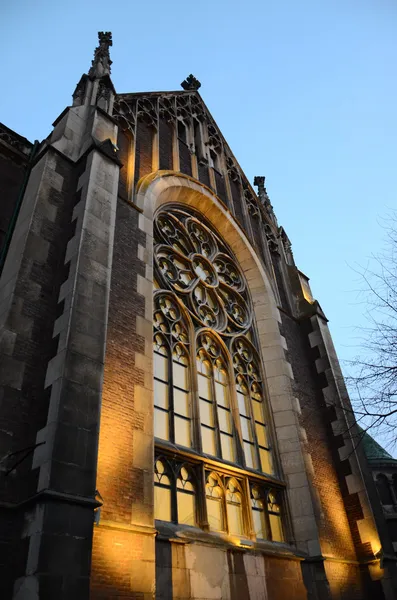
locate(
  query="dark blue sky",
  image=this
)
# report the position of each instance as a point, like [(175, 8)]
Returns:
[(304, 92)]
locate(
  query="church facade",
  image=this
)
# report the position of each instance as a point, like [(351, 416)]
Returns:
[(174, 422)]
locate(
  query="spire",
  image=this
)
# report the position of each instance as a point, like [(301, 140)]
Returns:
[(191, 83), (101, 62), (97, 88)]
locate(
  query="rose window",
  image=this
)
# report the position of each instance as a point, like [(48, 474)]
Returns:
[(193, 262)]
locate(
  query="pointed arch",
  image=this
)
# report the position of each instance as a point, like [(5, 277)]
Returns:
[(162, 187)]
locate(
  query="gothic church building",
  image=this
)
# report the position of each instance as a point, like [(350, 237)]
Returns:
[(173, 419)]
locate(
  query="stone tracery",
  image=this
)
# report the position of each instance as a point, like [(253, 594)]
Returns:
[(193, 262)]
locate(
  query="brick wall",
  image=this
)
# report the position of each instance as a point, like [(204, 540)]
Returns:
[(123, 558), (335, 534), (165, 145), (143, 150)]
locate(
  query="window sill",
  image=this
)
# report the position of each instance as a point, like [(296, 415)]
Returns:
[(186, 534)]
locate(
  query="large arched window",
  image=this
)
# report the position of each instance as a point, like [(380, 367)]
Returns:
[(209, 391)]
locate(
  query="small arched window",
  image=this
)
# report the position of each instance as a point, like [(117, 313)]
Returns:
[(258, 505), (185, 497), (215, 503), (234, 507), (274, 512), (162, 491)]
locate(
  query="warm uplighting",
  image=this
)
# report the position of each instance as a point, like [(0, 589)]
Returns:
[(307, 294)]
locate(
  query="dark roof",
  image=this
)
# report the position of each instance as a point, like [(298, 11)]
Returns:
[(374, 451)]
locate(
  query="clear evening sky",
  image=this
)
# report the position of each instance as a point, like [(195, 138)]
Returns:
[(305, 92)]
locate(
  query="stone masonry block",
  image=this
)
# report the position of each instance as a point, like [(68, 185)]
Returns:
[(286, 417), (292, 462)]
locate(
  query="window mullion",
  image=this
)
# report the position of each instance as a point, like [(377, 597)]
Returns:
[(195, 400), (202, 500), (174, 498), (253, 429), (247, 510), (171, 419), (224, 506), (215, 414)]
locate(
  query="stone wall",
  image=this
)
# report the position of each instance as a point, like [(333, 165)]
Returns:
[(205, 572)]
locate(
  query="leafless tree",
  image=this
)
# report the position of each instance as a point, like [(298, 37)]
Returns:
[(373, 373)]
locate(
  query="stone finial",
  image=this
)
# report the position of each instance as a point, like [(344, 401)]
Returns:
[(191, 83), (259, 181), (101, 62)]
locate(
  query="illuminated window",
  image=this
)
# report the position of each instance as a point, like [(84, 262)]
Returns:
[(172, 413), (224, 501), (249, 389), (186, 500), (234, 507), (274, 512), (266, 514), (215, 503), (162, 492), (174, 497), (216, 419), (209, 389), (258, 506)]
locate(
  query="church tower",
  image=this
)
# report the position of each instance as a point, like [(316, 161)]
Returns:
[(175, 424)]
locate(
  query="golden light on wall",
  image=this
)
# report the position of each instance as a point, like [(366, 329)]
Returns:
[(307, 294)]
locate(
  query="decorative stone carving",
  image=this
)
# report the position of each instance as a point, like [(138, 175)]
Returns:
[(191, 83), (192, 261), (259, 181), (124, 113), (214, 139), (197, 108), (104, 91), (232, 169), (15, 142), (167, 108), (183, 110), (147, 111), (286, 245), (271, 239), (101, 62), (251, 201)]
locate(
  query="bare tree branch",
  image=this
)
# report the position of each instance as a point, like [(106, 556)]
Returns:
[(372, 380)]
